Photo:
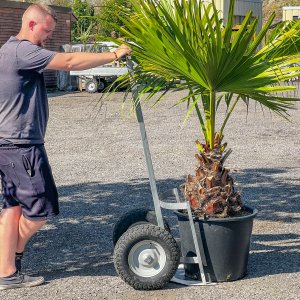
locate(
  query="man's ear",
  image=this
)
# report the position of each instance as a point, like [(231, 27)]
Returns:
[(31, 24)]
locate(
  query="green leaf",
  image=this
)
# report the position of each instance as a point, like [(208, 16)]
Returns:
[(186, 41)]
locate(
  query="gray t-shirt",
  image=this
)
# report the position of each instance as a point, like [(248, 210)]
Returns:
[(23, 97)]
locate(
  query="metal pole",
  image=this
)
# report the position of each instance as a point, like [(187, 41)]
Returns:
[(150, 170)]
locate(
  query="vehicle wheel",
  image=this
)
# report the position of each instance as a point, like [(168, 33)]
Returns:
[(91, 86), (135, 217), (102, 84), (146, 257)]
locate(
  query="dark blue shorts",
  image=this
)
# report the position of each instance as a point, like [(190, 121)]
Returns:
[(27, 181)]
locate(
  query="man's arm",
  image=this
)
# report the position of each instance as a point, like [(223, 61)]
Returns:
[(84, 60)]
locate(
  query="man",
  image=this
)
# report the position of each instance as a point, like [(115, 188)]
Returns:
[(29, 192)]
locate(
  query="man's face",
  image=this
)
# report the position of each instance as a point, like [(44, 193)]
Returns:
[(43, 31)]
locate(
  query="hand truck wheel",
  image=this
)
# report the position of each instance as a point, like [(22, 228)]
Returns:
[(135, 217), (146, 257)]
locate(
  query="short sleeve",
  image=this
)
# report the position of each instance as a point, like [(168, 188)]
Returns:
[(33, 57)]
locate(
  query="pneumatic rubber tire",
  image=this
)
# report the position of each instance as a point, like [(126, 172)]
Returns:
[(91, 86), (146, 257), (135, 217), (102, 84)]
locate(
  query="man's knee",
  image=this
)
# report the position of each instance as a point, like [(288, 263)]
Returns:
[(30, 225), (12, 213), (25, 219)]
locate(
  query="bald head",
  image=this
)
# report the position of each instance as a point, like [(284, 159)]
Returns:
[(38, 24), (38, 13)]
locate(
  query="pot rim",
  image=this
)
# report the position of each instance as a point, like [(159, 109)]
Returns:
[(220, 220)]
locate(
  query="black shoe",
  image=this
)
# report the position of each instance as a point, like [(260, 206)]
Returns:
[(18, 280), (18, 261)]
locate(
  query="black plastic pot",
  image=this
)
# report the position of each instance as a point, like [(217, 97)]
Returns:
[(225, 244)]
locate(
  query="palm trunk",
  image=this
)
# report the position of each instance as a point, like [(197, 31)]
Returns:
[(211, 121), (211, 192)]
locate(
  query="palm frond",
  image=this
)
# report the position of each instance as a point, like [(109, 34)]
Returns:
[(186, 41)]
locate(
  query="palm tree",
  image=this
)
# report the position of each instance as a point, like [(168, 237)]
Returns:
[(186, 40)]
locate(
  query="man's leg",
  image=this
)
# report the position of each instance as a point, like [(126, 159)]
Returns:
[(9, 235), (11, 222), (39, 199), (15, 231), (27, 229)]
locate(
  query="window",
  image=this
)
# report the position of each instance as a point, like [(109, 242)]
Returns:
[(295, 17), (238, 20)]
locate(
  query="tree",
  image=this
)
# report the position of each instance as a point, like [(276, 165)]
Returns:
[(64, 3), (186, 40), (270, 6), (86, 24), (110, 13)]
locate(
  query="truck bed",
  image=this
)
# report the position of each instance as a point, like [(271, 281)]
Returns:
[(101, 71)]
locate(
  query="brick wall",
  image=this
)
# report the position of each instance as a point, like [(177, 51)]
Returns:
[(10, 22)]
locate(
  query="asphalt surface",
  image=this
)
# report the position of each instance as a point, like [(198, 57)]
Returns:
[(97, 159)]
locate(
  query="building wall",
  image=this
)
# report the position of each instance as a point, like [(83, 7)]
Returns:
[(219, 5), (241, 9), (290, 13), (10, 22)]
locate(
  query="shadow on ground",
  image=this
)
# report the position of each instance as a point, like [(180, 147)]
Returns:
[(274, 254), (78, 243), (275, 192)]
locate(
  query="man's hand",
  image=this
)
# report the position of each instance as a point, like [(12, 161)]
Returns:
[(122, 51)]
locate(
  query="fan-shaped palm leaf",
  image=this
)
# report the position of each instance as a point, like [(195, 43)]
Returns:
[(177, 39)]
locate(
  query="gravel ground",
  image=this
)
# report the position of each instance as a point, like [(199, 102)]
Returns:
[(97, 160)]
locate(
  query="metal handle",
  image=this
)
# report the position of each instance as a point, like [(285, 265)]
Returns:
[(150, 170)]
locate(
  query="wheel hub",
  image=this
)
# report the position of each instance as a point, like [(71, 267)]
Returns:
[(147, 258)]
